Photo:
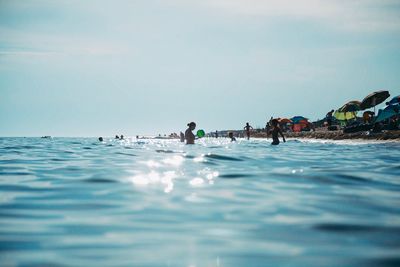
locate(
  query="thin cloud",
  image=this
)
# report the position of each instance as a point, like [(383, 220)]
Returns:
[(22, 43), (358, 15)]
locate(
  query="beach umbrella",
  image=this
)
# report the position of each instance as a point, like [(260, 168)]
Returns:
[(374, 99), (298, 119), (395, 100), (285, 120), (350, 106), (388, 112), (344, 116)]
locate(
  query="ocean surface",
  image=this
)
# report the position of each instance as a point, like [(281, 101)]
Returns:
[(81, 202)]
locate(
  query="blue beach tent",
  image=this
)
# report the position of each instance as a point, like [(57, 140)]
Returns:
[(388, 112)]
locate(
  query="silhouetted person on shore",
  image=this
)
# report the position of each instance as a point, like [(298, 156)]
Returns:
[(182, 137), (275, 131), (189, 136), (233, 139), (216, 134), (329, 117), (248, 127)]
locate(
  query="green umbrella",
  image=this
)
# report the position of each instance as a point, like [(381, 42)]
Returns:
[(344, 116)]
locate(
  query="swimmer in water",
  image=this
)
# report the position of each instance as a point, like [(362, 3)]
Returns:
[(247, 128), (189, 136), (275, 131)]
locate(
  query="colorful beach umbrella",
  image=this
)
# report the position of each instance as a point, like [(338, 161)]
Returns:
[(350, 106), (374, 99), (285, 120), (298, 119), (388, 112), (395, 100), (344, 116)]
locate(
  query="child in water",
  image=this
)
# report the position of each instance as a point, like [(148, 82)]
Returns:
[(275, 131), (189, 136), (247, 128)]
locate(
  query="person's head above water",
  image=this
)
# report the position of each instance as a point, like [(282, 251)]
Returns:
[(192, 125)]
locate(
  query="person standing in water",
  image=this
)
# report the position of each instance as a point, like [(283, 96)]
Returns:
[(189, 136), (275, 131), (233, 139), (247, 128), (268, 126)]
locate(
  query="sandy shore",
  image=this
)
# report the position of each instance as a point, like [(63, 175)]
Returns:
[(339, 135)]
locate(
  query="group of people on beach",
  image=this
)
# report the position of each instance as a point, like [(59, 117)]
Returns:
[(272, 128)]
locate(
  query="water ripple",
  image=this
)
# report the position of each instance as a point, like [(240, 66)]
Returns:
[(80, 202)]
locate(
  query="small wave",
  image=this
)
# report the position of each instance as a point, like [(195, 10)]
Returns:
[(59, 159), (125, 154), (235, 175), (340, 227), (165, 151), (19, 147), (221, 157), (11, 245), (384, 261), (99, 180), (15, 173), (22, 188)]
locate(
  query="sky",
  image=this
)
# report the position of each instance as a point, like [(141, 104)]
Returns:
[(100, 68)]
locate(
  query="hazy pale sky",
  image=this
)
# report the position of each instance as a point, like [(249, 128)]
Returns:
[(95, 67)]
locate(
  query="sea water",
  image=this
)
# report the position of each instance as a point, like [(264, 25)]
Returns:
[(81, 202)]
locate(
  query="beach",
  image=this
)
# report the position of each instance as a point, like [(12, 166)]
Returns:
[(338, 135)]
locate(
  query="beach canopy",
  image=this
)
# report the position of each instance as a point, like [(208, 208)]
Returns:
[(388, 112), (298, 119), (395, 100), (350, 106), (374, 99), (344, 116)]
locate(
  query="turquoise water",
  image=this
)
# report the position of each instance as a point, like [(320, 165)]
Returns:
[(79, 202)]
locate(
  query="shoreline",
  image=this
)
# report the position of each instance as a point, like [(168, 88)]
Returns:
[(339, 135)]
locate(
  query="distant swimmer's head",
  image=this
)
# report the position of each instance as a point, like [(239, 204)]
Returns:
[(192, 125), (274, 122), (230, 134), (101, 139)]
